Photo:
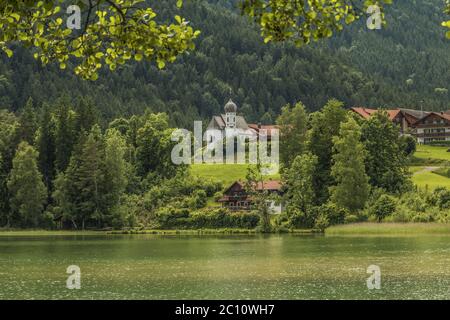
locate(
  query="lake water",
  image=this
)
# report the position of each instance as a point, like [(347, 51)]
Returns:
[(225, 267)]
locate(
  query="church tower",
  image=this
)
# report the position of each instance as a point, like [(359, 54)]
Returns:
[(230, 114)]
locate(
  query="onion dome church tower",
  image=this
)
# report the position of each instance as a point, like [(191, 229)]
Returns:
[(230, 114)]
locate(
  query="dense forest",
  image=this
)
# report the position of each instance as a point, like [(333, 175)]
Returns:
[(404, 65)]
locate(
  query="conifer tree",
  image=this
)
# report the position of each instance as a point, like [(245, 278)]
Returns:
[(65, 136), (324, 126), (27, 124), (46, 146), (352, 183), (293, 133)]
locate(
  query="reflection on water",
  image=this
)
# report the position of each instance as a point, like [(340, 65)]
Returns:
[(224, 267)]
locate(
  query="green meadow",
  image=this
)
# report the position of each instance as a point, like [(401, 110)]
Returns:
[(226, 173), (432, 152), (432, 157), (422, 175)]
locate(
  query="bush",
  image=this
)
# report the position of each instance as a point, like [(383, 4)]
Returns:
[(334, 213), (441, 198), (408, 144), (383, 207), (298, 219), (172, 218), (321, 223), (351, 219)]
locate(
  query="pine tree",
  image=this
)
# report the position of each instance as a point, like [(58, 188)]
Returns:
[(28, 192), (324, 126), (85, 179), (86, 115), (46, 146), (293, 133), (27, 124), (64, 136), (352, 183)]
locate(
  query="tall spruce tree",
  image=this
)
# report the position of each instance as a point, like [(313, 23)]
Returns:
[(46, 146), (352, 183), (27, 123), (64, 137), (28, 192), (85, 174), (325, 125), (293, 133), (86, 115)]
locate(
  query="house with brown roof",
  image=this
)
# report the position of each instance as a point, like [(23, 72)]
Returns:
[(237, 198), (404, 118), (433, 127)]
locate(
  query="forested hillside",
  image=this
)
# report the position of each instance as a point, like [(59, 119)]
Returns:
[(400, 66)]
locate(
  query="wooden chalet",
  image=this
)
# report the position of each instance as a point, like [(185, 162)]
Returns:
[(236, 197)]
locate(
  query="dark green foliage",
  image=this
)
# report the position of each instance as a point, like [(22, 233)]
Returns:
[(333, 213), (27, 123), (383, 207), (325, 125), (171, 218), (65, 136), (357, 66), (26, 187), (46, 146), (408, 145), (386, 163)]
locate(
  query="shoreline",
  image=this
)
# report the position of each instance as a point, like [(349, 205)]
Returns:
[(389, 228), (357, 229), (222, 231)]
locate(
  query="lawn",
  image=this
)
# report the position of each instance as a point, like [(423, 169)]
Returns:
[(227, 173), (432, 152), (430, 179), (431, 155)]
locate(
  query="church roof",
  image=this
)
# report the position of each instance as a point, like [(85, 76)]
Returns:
[(218, 122), (230, 106)]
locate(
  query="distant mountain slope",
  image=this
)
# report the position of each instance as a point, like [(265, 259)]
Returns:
[(405, 64)]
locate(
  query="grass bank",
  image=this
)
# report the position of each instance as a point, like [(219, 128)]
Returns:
[(36, 233), (32, 233), (204, 231), (388, 228)]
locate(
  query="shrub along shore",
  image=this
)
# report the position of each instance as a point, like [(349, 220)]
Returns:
[(352, 229)]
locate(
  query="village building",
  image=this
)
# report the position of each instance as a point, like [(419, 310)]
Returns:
[(433, 127), (404, 118), (230, 120), (236, 197), (425, 126)]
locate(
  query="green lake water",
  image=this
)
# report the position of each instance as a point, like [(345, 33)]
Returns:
[(225, 267)]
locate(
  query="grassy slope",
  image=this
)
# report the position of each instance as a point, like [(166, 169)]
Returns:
[(432, 152), (226, 173), (423, 178)]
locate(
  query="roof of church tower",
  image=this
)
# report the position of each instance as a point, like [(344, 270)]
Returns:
[(230, 107)]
